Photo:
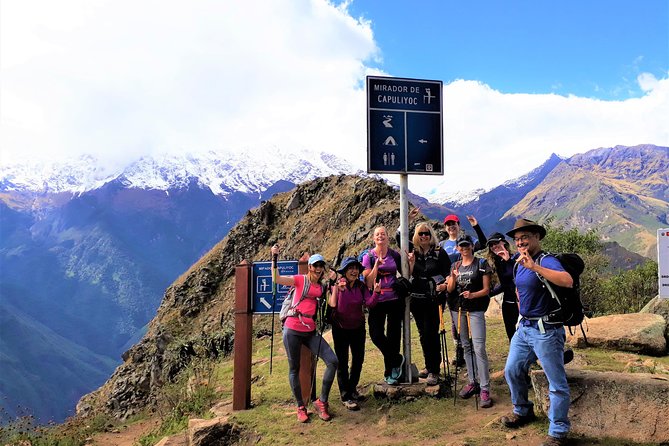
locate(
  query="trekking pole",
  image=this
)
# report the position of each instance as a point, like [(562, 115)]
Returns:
[(471, 350), (457, 336), (271, 345), (444, 347), (318, 351)]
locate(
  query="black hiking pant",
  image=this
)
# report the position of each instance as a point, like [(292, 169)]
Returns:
[(387, 338), (346, 340), (425, 312)]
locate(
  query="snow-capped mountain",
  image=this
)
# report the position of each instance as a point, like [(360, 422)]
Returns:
[(222, 174)]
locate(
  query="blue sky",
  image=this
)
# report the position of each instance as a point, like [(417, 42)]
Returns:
[(119, 79), (593, 48)]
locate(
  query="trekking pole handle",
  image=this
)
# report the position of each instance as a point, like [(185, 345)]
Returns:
[(441, 319)]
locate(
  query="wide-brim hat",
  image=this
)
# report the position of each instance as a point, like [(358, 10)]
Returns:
[(523, 224), (495, 237), (316, 258), (347, 262)]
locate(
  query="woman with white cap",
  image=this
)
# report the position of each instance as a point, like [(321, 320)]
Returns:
[(349, 298), (300, 329)]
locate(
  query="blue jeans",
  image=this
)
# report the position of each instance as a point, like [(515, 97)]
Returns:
[(527, 345)]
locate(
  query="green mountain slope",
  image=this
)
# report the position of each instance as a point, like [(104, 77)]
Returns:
[(622, 192), (39, 365)]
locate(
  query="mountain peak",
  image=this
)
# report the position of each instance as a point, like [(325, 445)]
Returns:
[(221, 173)]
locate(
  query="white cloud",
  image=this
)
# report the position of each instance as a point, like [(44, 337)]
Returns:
[(124, 78), (647, 82), (491, 137)]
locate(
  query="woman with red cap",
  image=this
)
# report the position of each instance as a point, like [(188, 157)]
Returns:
[(454, 231)]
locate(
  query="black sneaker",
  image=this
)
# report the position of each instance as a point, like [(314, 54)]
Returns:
[(423, 374), (568, 355), (514, 420)]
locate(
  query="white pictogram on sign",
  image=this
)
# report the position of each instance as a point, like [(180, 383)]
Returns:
[(390, 141), (264, 286), (422, 141), (427, 97), (386, 121)]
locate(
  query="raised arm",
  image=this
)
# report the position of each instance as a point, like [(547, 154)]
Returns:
[(278, 278)]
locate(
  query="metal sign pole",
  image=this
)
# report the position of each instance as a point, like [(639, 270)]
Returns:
[(404, 243)]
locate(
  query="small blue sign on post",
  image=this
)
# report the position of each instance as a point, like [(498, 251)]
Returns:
[(262, 285), (404, 126)]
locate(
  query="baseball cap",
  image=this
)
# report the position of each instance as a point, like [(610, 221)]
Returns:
[(451, 217), (316, 258)]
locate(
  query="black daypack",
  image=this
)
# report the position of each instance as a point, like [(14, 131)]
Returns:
[(570, 308), (569, 311)]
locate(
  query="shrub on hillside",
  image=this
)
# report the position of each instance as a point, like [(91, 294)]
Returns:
[(629, 291)]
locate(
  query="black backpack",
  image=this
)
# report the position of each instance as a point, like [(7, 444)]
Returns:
[(569, 311), (570, 308)]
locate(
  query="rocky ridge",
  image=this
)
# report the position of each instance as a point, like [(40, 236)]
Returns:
[(334, 216)]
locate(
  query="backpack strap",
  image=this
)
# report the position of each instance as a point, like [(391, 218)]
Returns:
[(305, 291)]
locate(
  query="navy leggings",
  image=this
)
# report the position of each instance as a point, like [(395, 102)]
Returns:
[(293, 342)]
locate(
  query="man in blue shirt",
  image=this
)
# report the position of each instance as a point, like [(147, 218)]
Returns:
[(537, 337)]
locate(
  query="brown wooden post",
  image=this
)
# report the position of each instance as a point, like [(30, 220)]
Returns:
[(306, 358), (241, 387)]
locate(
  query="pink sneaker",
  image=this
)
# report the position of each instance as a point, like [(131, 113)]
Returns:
[(302, 415), (486, 401), (469, 390), (323, 410)]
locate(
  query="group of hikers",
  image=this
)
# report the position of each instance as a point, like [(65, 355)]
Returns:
[(443, 274)]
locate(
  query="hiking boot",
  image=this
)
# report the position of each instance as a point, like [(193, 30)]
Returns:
[(568, 355), (486, 401), (351, 405), (469, 390), (423, 374), (323, 410), (432, 379), (554, 441), (514, 420), (302, 415), (355, 396)]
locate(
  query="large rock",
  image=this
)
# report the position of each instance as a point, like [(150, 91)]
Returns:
[(658, 305), (615, 405), (642, 333), (215, 432)]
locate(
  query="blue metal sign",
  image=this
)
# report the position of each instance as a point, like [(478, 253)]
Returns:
[(404, 126), (261, 292)]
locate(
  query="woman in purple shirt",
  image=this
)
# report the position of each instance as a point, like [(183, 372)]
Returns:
[(381, 265), (348, 299)]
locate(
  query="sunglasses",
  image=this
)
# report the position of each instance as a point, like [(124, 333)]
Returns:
[(465, 245), (424, 234), (451, 223)]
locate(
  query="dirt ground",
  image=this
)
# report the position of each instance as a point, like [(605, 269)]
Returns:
[(473, 427)]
